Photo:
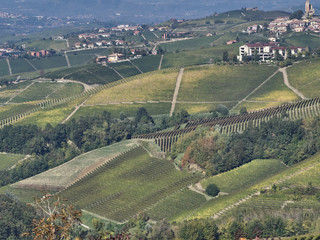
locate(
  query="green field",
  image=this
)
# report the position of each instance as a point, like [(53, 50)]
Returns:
[(37, 91), (151, 37), (148, 64), (303, 40), (153, 86), (93, 74), (274, 91), (128, 185), (126, 69), (190, 44), (129, 110), (11, 90), (305, 76), (20, 66), (13, 110), (83, 57), (179, 204), (8, 160), (221, 83), (245, 176), (50, 62), (4, 70), (255, 106), (215, 205), (47, 44), (199, 56), (200, 108), (69, 172)]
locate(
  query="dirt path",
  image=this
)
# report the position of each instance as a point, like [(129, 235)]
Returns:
[(155, 35), (31, 64), (67, 59), (245, 98), (176, 91), (57, 89), (86, 86), (286, 82), (74, 111), (143, 37), (160, 63), (9, 66)]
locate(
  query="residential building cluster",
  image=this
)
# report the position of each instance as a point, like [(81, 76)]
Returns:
[(266, 51), (42, 53), (283, 24)]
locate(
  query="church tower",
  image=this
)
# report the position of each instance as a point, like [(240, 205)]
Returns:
[(307, 7)]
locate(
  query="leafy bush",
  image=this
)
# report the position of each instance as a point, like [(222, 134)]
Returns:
[(212, 190)]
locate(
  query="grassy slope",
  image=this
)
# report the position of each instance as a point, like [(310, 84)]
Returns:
[(199, 56), (221, 83), (305, 77), (245, 176), (303, 40), (154, 86), (191, 44), (8, 160), (274, 90), (129, 110), (68, 172), (46, 44), (215, 205), (4, 70), (127, 185)]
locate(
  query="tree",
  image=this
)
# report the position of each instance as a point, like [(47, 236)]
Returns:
[(297, 15), (223, 110), (243, 110), (212, 190), (225, 56), (289, 54), (57, 219)]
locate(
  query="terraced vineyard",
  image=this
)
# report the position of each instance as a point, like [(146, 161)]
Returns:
[(128, 184), (176, 205), (238, 123)]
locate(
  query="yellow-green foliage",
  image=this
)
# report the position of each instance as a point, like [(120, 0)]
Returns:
[(199, 108), (245, 176), (255, 106), (305, 76), (157, 86), (222, 83), (275, 91)]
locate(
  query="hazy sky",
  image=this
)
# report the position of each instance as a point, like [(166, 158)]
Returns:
[(140, 10)]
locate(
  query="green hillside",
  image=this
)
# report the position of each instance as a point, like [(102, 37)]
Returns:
[(127, 185)]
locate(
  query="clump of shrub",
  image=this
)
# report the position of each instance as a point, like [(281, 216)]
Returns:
[(212, 190)]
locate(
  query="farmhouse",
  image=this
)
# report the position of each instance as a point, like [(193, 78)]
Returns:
[(115, 57), (266, 51)]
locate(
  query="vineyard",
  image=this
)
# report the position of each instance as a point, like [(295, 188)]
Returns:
[(128, 184), (238, 123)]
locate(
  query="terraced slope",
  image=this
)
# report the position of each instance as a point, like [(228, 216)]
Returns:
[(127, 185)]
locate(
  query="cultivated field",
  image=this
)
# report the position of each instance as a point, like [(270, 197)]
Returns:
[(305, 76), (129, 110), (127, 185), (4, 70), (148, 64), (274, 91), (126, 69), (21, 66), (190, 44), (13, 110), (304, 39), (245, 176), (201, 108), (221, 83), (83, 57), (199, 56), (65, 174), (49, 62), (46, 44), (154, 86)]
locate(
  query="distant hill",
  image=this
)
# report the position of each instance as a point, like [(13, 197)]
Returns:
[(139, 10)]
